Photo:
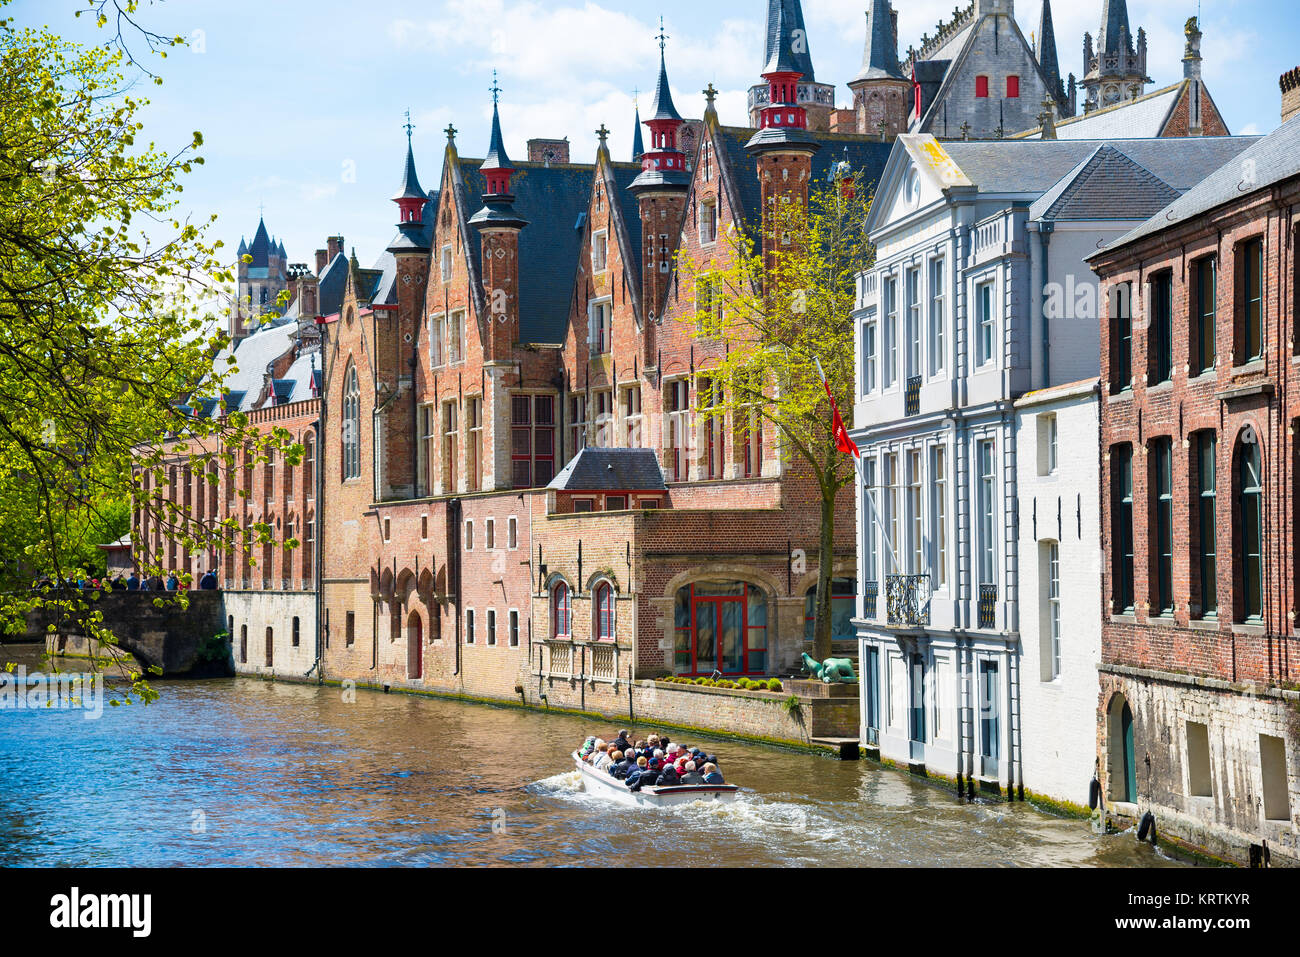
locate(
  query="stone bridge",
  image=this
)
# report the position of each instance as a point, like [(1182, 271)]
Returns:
[(169, 637)]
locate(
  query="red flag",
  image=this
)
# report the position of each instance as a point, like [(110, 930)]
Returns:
[(842, 440)]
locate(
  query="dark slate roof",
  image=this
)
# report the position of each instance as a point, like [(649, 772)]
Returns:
[(550, 198), (1267, 161), (1114, 17), (243, 247), (865, 153), (663, 104), (787, 16), (330, 283), (1046, 51), (1035, 166), (261, 248), (781, 57), (880, 56), (929, 76), (410, 186), (1106, 185), (638, 145), (613, 470), (496, 157)]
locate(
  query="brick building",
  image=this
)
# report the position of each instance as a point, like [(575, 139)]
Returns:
[(1197, 716), (524, 493)]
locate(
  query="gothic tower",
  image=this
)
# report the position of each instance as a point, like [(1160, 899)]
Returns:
[(1116, 70), (259, 282), (782, 148), (785, 27), (660, 189), (881, 94), (1051, 65)]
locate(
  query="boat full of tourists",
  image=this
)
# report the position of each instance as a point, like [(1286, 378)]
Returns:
[(605, 785), (654, 773)]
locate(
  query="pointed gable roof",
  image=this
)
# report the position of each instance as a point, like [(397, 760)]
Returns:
[(784, 19), (1108, 184), (880, 56)]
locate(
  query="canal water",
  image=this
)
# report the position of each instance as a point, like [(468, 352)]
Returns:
[(243, 772)]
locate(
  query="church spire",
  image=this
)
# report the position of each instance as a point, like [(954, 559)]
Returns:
[(1115, 33), (497, 170), (785, 28), (880, 55), (663, 164), (410, 197), (1046, 52), (783, 122), (638, 144)]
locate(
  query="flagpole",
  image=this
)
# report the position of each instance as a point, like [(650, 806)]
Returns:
[(857, 468)]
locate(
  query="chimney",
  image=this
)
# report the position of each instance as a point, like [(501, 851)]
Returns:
[(548, 152), (1290, 84), (322, 260), (335, 244)]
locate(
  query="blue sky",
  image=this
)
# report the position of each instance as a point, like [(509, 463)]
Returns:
[(301, 103)]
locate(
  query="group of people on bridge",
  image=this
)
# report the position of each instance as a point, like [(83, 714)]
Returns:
[(654, 762), (133, 582)]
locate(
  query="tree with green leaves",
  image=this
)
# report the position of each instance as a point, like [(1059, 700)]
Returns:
[(108, 330), (782, 310)]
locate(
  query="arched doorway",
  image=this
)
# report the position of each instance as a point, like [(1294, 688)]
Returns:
[(1122, 755), (414, 646)]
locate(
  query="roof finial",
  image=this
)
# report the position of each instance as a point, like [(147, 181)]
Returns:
[(635, 104), (662, 37), (451, 133), (408, 126), (710, 94), (495, 90), (603, 134)]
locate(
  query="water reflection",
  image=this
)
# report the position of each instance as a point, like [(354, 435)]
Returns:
[(242, 772)]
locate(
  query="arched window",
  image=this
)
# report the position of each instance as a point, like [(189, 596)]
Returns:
[(351, 425), (604, 611), (561, 611), (1250, 518)]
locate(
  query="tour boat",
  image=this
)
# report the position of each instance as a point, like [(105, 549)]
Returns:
[(607, 786)]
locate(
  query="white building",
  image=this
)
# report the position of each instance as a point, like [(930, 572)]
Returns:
[(1057, 475), (978, 296)]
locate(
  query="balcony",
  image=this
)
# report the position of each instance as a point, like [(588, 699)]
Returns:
[(907, 600), (869, 603), (912, 396), (988, 605)]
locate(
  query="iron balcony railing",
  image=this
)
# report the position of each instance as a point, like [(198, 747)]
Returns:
[(912, 396), (907, 599), (988, 605), (869, 605)]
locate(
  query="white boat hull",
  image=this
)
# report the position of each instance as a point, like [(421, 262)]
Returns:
[(603, 784)]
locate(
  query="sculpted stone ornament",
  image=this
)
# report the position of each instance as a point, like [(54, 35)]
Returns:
[(832, 669)]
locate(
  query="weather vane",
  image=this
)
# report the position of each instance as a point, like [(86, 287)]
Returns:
[(496, 90), (408, 126), (662, 36)]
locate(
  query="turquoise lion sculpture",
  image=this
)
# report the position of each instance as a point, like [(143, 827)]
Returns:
[(832, 669)]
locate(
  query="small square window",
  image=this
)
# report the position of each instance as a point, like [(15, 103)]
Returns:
[(981, 86), (1013, 87)]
